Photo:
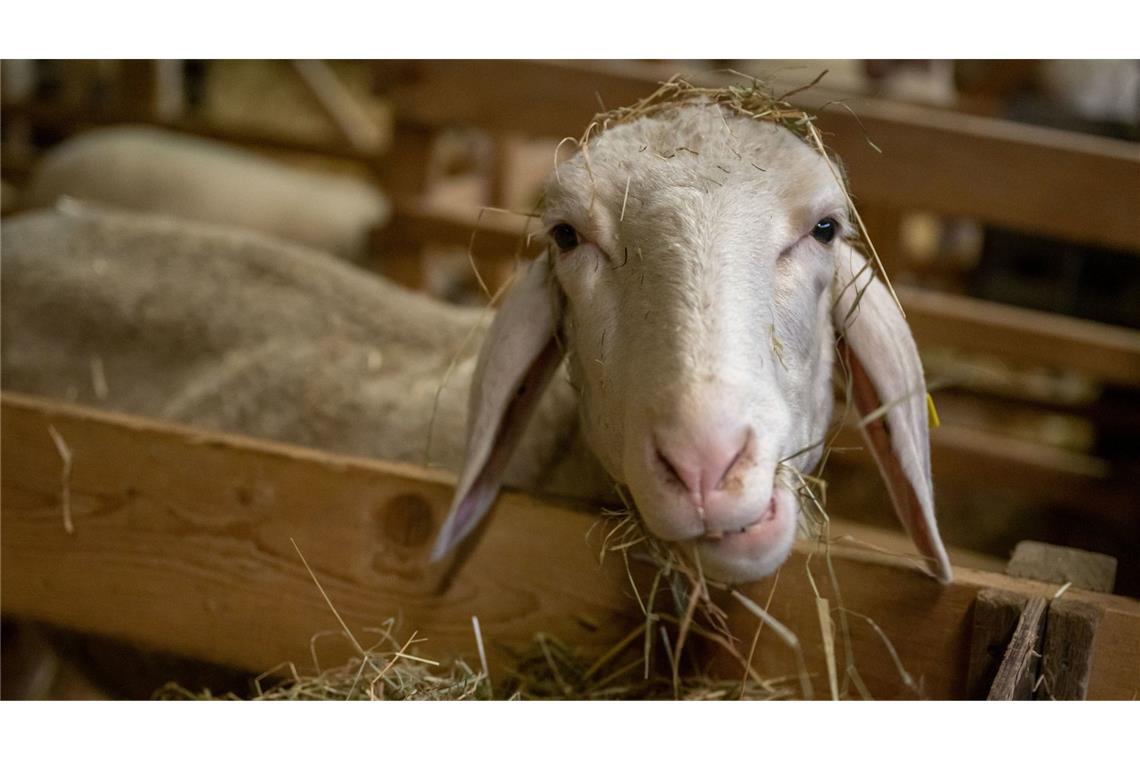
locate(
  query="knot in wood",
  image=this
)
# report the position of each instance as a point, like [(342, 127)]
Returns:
[(407, 520)]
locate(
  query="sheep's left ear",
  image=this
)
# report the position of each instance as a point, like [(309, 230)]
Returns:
[(890, 394), (520, 354)]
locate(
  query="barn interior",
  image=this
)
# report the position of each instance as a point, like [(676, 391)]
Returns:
[(1001, 197)]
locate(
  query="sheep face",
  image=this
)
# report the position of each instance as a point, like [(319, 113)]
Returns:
[(696, 277), (695, 255)]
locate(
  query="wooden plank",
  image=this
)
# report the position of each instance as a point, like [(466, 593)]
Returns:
[(1061, 564), (491, 233), (1104, 351), (1017, 675), (340, 106), (958, 452), (1040, 180), (198, 525), (69, 121), (1070, 640)]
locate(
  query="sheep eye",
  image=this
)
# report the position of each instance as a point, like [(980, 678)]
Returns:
[(565, 237), (825, 229)]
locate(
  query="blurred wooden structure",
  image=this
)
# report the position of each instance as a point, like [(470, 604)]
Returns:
[(183, 541)]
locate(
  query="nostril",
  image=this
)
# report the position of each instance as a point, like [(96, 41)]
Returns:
[(740, 459), (671, 472)]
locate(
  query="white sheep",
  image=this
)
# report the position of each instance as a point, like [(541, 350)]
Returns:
[(698, 274), (148, 169), (697, 278), (232, 330)]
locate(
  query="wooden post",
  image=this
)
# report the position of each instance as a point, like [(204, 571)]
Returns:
[(1067, 658), (152, 90), (1017, 674), (406, 171), (1054, 637), (996, 614)]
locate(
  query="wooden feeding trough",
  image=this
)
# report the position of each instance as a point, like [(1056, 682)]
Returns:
[(182, 540)]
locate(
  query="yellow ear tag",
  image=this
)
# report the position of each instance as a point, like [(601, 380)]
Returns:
[(932, 413)]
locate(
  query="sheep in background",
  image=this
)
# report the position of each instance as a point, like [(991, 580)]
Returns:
[(148, 169), (234, 331)]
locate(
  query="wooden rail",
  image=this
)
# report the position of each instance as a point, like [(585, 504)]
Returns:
[(181, 541), (1103, 351), (71, 120), (1044, 181)]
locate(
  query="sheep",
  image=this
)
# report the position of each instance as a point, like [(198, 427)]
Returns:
[(231, 330), (148, 169), (698, 273), (677, 337)]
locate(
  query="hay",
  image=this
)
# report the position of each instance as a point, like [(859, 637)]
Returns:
[(387, 670), (65, 478)]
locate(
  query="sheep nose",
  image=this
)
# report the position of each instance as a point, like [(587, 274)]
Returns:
[(703, 462)]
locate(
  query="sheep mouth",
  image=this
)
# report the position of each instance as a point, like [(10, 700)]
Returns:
[(769, 516)]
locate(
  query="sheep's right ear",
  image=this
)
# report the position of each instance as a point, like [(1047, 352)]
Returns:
[(520, 354)]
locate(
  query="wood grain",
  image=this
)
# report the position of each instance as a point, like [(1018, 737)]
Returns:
[(182, 542)]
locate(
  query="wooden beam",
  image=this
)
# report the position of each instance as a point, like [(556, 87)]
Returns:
[(340, 106), (200, 526), (959, 452), (181, 541), (69, 121), (1104, 351), (491, 233), (1044, 181)]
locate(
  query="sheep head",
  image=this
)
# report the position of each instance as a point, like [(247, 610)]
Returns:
[(697, 275)]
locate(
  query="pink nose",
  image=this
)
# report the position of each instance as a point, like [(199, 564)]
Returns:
[(703, 462)]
